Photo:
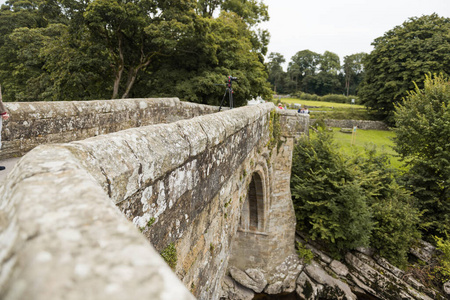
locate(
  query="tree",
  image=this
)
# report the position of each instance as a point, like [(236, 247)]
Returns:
[(394, 211), (354, 72), (277, 76), (49, 65), (302, 64), (423, 141), (330, 204), (329, 63), (132, 48), (134, 32), (198, 70), (402, 56)]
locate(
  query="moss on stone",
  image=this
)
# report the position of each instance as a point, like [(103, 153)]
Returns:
[(169, 254), (151, 221)]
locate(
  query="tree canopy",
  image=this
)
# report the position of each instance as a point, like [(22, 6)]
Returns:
[(402, 56), (315, 73), (423, 141), (133, 48)]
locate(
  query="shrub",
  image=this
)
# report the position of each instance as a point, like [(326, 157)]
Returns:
[(422, 139), (329, 204), (336, 98), (443, 268), (304, 253), (349, 202)]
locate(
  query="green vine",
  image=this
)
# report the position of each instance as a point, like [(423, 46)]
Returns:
[(274, 131)]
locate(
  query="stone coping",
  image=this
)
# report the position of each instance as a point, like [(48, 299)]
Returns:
[(61, 236)]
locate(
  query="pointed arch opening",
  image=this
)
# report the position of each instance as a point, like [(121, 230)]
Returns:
[(252, 214)]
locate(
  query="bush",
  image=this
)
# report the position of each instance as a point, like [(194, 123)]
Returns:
[(349, 202), (396, 227), (422, 140), (304, 253), (394, 210), (336, 98), (329, 204), (443, 268)]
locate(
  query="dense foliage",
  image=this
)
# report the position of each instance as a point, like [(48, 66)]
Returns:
[(402, 56), (350, 202), (328, 201), (313, 73), (70, 50), (423, 140)]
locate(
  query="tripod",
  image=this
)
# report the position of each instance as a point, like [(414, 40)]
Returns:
[(229, 90)]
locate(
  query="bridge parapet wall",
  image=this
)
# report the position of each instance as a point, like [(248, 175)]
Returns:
[(35, 123), (62, 213)]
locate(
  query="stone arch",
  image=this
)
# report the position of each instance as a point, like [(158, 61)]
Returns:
[(253, 213)]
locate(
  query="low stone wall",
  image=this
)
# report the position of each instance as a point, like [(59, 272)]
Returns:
[(35, 123), (63, 218), (362, 124)]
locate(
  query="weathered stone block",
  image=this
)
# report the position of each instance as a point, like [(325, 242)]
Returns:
[(250, 278)]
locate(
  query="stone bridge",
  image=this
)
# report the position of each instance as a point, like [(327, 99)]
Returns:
[(114, 184)]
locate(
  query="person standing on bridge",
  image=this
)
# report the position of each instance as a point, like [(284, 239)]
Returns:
[(5, 116)]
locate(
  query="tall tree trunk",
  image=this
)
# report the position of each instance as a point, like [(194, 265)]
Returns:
[(132, 74)]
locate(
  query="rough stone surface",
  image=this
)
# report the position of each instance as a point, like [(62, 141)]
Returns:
[(333, 288), (62, 225), (35, 123), (385, 264), (251, 278), (339, 268), (62, 238), (306, 288), (362, 124), (366, 275), (284, 279), (231, 290), (424, 251), (379, 281), (447, 288)]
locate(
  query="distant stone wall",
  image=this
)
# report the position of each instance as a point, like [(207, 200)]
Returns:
[(63, 226), (35, 123), (362, 124)]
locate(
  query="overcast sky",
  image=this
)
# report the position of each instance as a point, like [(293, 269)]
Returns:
[(341, 26)]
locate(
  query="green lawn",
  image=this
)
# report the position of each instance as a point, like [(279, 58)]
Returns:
[(367, 138), (364, 138), (319, 103)]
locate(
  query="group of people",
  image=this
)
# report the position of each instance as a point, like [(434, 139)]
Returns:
[(4, 116), (302, 110)]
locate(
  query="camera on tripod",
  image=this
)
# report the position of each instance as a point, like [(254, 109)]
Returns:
[(229, 90), (231, 78)]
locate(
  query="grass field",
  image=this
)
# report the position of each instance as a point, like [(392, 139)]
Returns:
[(319, 103), (381, 139)]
